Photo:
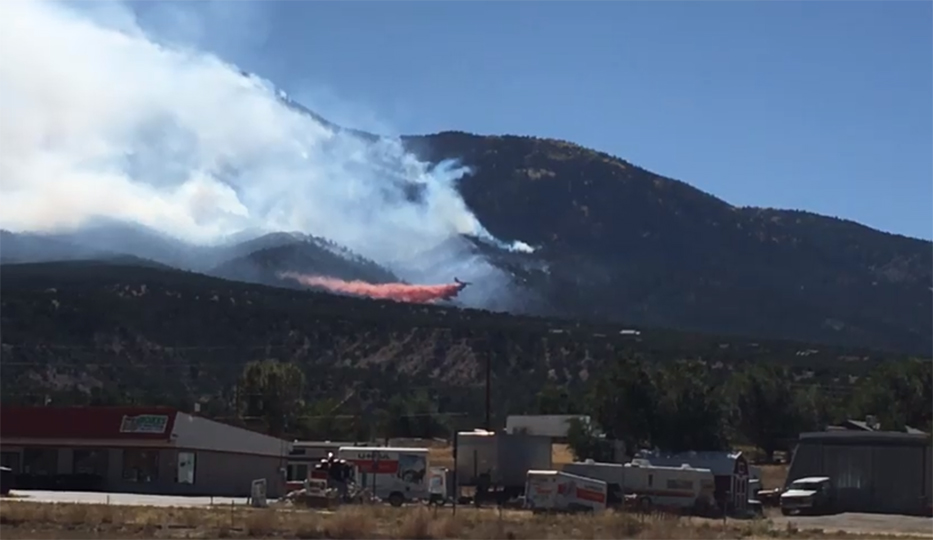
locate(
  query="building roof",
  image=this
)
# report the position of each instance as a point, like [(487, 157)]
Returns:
[(860, 425), (720, 463), (148, 423), (865, 437), (325, 444)]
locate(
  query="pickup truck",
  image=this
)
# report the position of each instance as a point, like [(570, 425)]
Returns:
[(812, 496)]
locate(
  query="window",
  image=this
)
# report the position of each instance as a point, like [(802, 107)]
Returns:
[(184, 474), (40, 461), (676, 483), (90, 461), (140, 465), (296, 472)]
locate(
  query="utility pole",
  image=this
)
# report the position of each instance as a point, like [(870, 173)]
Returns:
[(488, 424)]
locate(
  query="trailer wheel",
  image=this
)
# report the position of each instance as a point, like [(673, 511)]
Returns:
[(396, 499)]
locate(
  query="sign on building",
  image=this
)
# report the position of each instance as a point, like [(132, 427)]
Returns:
[(144, 423)]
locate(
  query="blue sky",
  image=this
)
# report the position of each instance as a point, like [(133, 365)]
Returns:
[(821, 106)]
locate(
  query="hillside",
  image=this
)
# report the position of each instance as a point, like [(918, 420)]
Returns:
[(260, 261), (626, 244), (134, 332), (615, 243)]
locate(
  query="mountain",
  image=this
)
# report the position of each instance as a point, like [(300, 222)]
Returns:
[(25, 247), (622, 243), (262, 259), (615, 243), (256, 260)]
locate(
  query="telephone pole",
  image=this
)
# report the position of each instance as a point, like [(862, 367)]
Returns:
[(488, 423)]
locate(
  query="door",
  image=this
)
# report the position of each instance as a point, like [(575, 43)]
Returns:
[(185, 470), (11, 460)]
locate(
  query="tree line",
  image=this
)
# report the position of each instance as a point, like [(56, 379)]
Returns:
[(674, 407), (683, 407), (644, 403)]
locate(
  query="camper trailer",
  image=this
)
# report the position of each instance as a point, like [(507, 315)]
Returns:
[(730, 473), (396, 475), (560, 491), (677, 488)]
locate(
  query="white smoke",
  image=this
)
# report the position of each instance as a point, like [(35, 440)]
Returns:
[(99, 120)]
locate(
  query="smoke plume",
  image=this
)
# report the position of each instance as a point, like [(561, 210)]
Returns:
[(400, 292), (101, 120)]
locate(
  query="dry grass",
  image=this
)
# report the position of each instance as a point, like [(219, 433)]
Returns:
[(772, 476), (561, 454), (441, 456), (43, 520)]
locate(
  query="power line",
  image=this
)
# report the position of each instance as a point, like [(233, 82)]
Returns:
[(102, 347), (305, 396)]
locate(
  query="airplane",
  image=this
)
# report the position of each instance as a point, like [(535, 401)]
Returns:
[(460, 286)]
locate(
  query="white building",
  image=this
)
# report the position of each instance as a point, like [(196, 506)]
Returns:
[(555, 426)]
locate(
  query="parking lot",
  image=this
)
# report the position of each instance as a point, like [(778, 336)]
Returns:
[(124, 499)]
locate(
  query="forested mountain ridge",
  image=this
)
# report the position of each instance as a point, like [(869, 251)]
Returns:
[(630, 245)]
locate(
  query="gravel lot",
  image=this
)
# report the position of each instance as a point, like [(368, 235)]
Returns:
[(862, 523)]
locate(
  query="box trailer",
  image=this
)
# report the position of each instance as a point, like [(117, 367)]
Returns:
[(392, 474), (561, 491), (500, 460), (611, 473)]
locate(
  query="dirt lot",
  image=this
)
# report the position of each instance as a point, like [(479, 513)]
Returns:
[(32, 520)]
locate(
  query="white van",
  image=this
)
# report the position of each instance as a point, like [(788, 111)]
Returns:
[(392, 474)]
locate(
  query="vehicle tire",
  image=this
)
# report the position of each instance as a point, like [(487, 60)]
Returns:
[(785, 512), (396, 499)]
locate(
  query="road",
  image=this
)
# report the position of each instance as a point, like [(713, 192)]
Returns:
[(123, 499)]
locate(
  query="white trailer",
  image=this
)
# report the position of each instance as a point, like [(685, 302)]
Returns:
[(560, 491), (677, 488), (613, 474), (392, 474)]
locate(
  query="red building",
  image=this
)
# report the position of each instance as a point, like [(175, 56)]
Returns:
[(136, 450)]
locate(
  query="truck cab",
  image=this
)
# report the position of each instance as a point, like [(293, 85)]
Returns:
[(811, 496)]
